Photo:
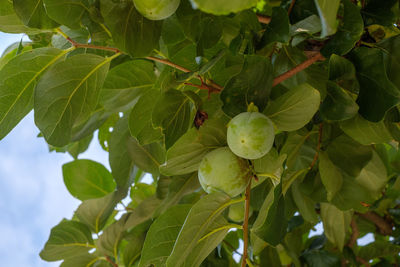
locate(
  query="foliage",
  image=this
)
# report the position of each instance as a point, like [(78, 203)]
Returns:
[(160, 93)]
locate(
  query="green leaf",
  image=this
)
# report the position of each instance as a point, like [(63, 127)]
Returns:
[(338, 104), (378, 248), (278, 30), (18, 78), (200, 217), (33, 14), (96, 212), (80, 260), (86, 179), (321, 258), (140, 192), (269, 166), (140, 124), (378, 12), (67, 239), (300, 152), (66, 12), (252, 84), (125, 83), (294, 109), (146, 157), (392, 58), (377, 93), (349, 155), (174, 114), (327, 10), (348, 34), (10, 22), (67, 94), (177, 189), (131, 32), (366, 132), (160, 238), (271, 223), (336, 224), (374, 176), (305, 204), (185, 155), (224, 7), (331, 176)]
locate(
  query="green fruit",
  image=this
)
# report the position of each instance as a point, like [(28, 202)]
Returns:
[(236, 212), (222, 171), (156, 9), (250, 135)]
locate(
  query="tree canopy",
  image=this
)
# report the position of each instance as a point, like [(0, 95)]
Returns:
[(161, 80)]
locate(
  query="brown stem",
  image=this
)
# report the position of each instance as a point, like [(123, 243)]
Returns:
[(291, 6), (318, 146), (99, 47), (263, 19), (355, 233), (297, 69), (111, 261), (169, 63), (246, 224), (384, 227)]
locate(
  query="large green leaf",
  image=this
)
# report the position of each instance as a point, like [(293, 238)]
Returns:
[(366, 132), (294, 109), (80, 260), (96, 212), (125, 82), (349, 155), (174, 113), (377, 93), (327, 10), (336, 224), (338, 104), (10, 22), (67, 239), (86, 179), (393, 58), (199, 219), (185, 155), (67, 94), (224, 7), (378, 248), (278, 30), (270, 225), (160, 238), (18, 78), (140, 124), (131, 32), (304, 203), (33, 14), (147, 157), (252, 84), (66, 12), (348, 33), (331, 176)]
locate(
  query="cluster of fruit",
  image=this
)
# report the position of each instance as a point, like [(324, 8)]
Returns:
[(250, 136)]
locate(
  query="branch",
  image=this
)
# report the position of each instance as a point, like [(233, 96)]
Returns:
[(318, 147), (384, 227), (111, 262), (297, 69), (355, 233), (291, 6), (246, 225), (362, 261)]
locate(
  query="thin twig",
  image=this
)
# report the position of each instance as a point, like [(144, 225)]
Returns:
[(169, 63), (297, 69), (355, 233), (111, 261), (362, 261), (246, 224), (232, 248), (384, 227), (291, 6), (318, 146)]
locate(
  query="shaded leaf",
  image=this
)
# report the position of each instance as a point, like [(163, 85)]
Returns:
[(331, 176), (336, 224), (67, 239), (379, 248), (278, 30), (33, 14), (224, 7), (66, 12)]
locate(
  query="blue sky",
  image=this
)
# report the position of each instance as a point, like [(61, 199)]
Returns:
[(33, 197)]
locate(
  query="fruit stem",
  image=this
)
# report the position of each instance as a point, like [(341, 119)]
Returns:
[(246, 224)]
